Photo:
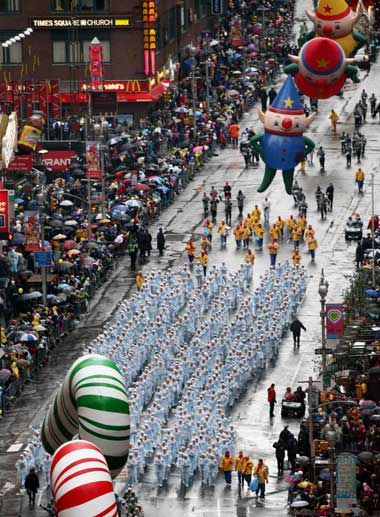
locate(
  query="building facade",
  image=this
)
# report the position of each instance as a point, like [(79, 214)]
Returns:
[(142, 42)]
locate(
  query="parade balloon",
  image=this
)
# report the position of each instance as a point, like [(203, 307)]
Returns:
[(81, 482), (334, 19), (91, 403), (282, 145), (321, 68)]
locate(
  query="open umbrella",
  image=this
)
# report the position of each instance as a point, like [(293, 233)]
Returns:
[(40, 328), (252, 54), (30, 296), (28, 337), (59, 237), (368, 404), (232, 93), (90, 245), (324, 474), (303, 460), (71, 222), (133, 203), (163, 189), (66, 203), (4, 374), (70, 245), (64, 266), (181, 109), (141, 186), (120, 208), (299, 504), (365, 457), (375, 418)]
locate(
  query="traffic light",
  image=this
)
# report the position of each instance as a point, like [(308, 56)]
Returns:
[(6, 236)]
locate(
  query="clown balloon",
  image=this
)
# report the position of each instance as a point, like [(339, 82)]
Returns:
[(335, 20), (321, 69), (282, 145)]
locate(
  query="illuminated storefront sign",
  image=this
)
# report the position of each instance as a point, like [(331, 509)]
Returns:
[(88, 22), (132, 85)]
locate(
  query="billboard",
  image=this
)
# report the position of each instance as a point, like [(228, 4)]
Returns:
[(58, 160)]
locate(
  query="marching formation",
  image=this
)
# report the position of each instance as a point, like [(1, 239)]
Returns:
[(187, 353)]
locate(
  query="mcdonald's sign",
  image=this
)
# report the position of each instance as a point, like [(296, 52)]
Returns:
[(129, 86), (133, 86)]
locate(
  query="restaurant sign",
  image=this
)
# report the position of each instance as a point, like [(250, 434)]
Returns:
[(85, 22)]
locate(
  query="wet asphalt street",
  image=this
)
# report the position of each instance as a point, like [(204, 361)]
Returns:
[(255, 431)]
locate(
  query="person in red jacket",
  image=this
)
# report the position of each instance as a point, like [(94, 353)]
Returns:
[(271, 399)]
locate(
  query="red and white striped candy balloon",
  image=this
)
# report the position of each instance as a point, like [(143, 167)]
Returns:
[(81, 481)]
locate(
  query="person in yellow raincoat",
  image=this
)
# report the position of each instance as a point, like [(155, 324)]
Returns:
[(239, 466), (259, 233), (274, 232), (334, 117), (208, 228), (256, 213), (250, 257), (309, 233), (296, 257), (204, 244), (227, 466), (139, 280), (302, 223), (203, 261), (280, 223), (238, 234), (296, 236), (247, 470), (359, 179), (223, 232), (273, 250), (190, 250), (261, 471), (246, 235), (249, 220), (290, 223), (312, 244)]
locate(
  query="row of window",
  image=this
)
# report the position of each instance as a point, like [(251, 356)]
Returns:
[(57, 6)]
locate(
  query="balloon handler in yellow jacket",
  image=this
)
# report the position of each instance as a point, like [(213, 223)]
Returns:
[(283, 145)]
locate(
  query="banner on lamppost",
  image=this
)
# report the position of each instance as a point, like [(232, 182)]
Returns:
[(346, 481), (32, 231), (334, 320), (4, 214), (93, 162)]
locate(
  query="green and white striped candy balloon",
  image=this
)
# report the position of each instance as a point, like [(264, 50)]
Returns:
[(91, 403)]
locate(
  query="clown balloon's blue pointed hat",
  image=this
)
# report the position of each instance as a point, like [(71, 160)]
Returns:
[(287, 101)]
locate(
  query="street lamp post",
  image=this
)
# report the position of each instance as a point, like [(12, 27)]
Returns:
[(193, 89), (323, 290), (373, 230), (331, 438)]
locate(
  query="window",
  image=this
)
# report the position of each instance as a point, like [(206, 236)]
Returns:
[(12, 54), (67, 51), (172, 23), (158, 34), (10, 6), (79, 6)]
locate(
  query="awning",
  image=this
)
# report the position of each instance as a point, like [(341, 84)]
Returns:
[(152, 96)]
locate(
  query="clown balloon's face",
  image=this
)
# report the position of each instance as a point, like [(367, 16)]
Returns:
[(334, 28), (320, 80), (285, 123)]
